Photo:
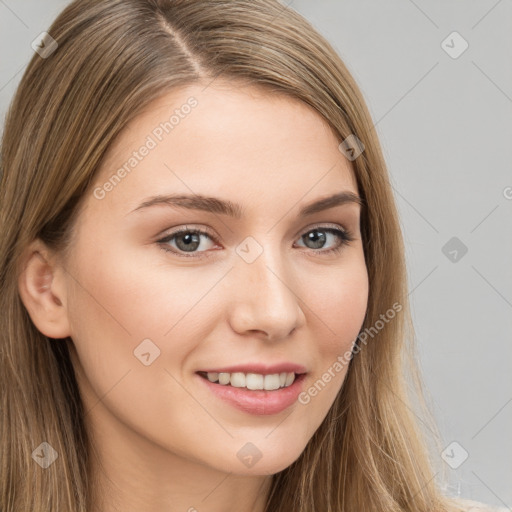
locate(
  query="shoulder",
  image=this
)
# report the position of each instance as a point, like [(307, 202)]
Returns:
[(476, 506)]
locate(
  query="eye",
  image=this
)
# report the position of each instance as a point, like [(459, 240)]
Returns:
[(320, 235), (189, 240), (185, 240)]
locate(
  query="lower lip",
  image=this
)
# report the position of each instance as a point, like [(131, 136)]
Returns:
[(259, 402)]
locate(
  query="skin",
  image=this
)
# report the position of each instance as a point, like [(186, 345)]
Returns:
[(164, 441)]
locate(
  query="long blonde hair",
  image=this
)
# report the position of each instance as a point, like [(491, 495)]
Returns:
[(113, 58)]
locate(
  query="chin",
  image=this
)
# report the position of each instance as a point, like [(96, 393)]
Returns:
[(264, 459)]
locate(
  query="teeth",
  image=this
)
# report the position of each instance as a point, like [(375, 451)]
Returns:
[(290, 377), (273, 381), (237, 380), (223, 378), (253, 380)]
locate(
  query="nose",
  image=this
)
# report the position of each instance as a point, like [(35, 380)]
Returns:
[(264, 299)]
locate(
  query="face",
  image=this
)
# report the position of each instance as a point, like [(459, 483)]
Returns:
[(161, 292)]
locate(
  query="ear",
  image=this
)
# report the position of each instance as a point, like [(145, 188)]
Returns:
[(41, 286)]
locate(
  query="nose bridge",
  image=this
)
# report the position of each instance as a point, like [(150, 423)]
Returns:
[(265, 299)]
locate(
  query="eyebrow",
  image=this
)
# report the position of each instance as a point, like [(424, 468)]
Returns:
[(224, 207)]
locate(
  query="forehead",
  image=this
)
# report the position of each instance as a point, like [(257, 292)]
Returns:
[(224, 139)]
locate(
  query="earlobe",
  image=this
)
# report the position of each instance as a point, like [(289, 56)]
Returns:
[(42, 290)]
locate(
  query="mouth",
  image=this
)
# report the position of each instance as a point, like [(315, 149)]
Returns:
[(253, 381), (253, 393)]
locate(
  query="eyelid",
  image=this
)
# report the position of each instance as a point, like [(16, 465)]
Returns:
[(320, 225), (187, 229)]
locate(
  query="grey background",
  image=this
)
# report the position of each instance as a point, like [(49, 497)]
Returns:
[(446, 129)]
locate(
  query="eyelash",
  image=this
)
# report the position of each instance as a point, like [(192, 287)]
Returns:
[(344, 235)]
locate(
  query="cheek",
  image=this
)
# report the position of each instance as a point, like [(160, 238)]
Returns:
[(109, 313), (340, 306), (117, 317), (125, 291), (119, 299)]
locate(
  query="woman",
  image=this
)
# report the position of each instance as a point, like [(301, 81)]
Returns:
[(202, 273)]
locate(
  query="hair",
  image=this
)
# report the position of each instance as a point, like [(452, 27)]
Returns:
[(113, 59)]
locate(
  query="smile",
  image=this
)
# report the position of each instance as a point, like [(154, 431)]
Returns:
[(253, 381), (264, 399)]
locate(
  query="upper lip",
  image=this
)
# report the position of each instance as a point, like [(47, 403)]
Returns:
[(258, 368)]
